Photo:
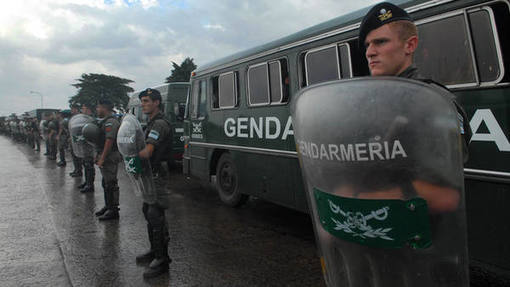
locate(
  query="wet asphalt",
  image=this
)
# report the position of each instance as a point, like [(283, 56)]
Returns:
[(49, 235)]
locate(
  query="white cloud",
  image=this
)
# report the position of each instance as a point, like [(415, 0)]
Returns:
[(146, 4), (46, 45), (214, 27)]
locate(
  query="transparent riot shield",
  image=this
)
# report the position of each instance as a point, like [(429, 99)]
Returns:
[(42, 129), (131, 140), (81, 147), (382, 163), (93, 136)]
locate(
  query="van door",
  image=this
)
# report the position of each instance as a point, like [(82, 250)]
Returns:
[(198, 120), (186, 158)]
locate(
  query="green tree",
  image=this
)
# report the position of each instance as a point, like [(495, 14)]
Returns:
[(182, 72), (92, 87)]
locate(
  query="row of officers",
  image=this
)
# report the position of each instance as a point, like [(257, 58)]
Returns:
[(101, 134)]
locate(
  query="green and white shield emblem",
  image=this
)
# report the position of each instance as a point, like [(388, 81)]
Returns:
[(133, 164), (78, 138), (385, 223)]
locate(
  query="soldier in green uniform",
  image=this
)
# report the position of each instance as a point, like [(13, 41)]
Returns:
[(43, 128), (158, 136), (88, 163), (53, 127), (63, 137), (107, 159), (389, 39), (34, 129), (77, 162)]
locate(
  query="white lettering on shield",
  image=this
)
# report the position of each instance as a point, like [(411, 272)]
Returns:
[(372, 151)]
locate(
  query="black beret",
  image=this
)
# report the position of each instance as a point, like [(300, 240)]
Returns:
[(380, 14), (153, 94)]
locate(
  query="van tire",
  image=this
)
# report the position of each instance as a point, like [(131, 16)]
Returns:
[(227, 182)]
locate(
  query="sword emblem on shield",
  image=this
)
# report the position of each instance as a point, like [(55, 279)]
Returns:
[(356, 223)]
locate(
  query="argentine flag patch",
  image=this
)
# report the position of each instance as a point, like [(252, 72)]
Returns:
[(154, 135)]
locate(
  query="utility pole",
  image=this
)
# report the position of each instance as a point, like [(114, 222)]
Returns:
[(35, 92)]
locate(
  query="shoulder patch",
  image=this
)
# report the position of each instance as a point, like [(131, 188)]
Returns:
[(154, 134)]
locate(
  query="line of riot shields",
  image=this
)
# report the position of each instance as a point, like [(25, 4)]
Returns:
[(130, 141), (23, 129)]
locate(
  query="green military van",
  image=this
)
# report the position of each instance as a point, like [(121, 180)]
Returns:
[(239, 134), (38, 113), (174, 97)]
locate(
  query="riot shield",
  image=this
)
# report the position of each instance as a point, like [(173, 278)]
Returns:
[(382, 163), (130, 141), (93, 135), (81, 148), (42, 129)]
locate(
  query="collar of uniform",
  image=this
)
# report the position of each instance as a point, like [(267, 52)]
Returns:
[(157, 116), (411, 73)]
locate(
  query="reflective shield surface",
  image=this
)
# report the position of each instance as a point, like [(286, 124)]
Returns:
[(131, 140), (81, 147), (382, 163)]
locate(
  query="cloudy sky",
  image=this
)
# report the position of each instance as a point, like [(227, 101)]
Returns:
[(46, 45)]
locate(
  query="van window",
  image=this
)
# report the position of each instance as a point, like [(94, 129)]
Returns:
[(268, 83), (202, 104), (186, 105), (258, 85), (179, 111), (484, 45), (215, 101), (345, 61), (275, 80), (194, 99), (322, 65), (453, 54), (444, 53), (227, 90), (327, 63)]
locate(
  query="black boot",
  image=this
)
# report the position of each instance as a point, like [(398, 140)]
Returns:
[(87, 188), (145, 258), (89, 179), (157, 267), (159, 264), (61, 163), (111, 200), (76, 173), (82, 186), (149, 255), (111, 205), (101, 211), (110, 214)]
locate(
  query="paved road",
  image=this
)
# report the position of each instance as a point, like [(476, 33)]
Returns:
[(50, 237)]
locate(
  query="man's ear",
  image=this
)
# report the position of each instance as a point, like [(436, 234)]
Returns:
[(411, 45)]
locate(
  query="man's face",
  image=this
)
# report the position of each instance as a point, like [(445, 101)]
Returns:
[(101, 111), (74, 111), (85, 110), (385, 52), (148, 105)]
